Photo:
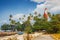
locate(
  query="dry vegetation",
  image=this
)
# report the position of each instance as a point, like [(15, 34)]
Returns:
[(56, 36)]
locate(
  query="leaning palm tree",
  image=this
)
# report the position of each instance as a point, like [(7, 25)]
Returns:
[(28, 28)]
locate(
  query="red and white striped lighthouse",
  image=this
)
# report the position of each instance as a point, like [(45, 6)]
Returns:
[(45, 13)]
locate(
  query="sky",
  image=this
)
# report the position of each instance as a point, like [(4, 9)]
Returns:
[(15, 7), (18, 8)]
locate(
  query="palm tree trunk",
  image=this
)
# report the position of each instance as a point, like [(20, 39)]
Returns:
[(28, 36)]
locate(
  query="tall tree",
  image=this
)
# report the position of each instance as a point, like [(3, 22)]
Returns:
[(18, 26), (5, 27), (28, 27), (39, 15), (10, 17), (35, 13), (49, 14), (12, 23)]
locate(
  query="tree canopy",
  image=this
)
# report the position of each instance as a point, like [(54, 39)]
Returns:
[(51, 26)]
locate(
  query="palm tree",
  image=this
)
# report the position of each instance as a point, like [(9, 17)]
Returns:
[(53, 17), (12, 23), (27, 27), (49, 14), (30, 14), (18, 26), (39, 15), (10, 17), (35, 13), (30, 17), (19, 18), (24, 16)]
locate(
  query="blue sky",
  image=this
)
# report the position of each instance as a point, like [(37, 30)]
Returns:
[(8, 7), (13, 7)]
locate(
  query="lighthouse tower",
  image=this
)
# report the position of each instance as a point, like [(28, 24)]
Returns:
[(45, 14)]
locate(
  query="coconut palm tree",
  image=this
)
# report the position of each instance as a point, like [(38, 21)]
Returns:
[(12, 22), (27, 27), (24, 16), (10, 17), (30, 16), (19, 18), (35, 13), (49, 14), (39, 15)]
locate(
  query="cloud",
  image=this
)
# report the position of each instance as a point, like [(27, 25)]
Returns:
[(21, 15), (55, 9), (52, 5), (17, 16), (38, 1), (40, 9), (50, 1)]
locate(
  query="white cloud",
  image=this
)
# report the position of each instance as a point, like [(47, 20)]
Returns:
[(38, 1), (21, 15), (17, 16), (52, 5), (55, 9), (40, 8)]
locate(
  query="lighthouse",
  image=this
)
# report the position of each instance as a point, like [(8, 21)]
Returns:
[(45, 14)]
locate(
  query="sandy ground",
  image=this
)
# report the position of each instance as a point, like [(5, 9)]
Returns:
[(36, 36), (19, 37), (44, 37)]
